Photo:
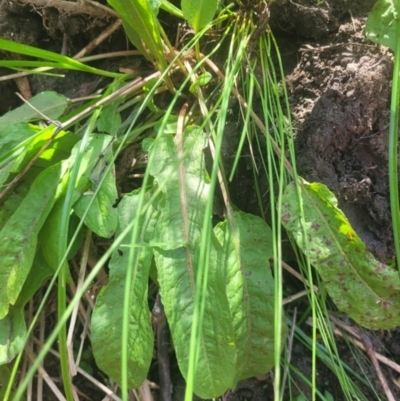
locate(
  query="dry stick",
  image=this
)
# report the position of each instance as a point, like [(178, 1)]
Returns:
[(42, 327), (292, 298), (144, 391), (366, 346), (70, 8), (129, 88), (24, 87), (371, 353), (379, 357), (83, 335), (96, 41), (29, 390), (299, 277), (100, 385), (71, 328), (374, 356), (45, 375)]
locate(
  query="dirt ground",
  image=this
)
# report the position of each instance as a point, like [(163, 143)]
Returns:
[(339, 86)]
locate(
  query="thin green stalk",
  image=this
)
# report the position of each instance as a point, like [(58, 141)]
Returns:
[(393, 143), (276, 174), (312, 296)]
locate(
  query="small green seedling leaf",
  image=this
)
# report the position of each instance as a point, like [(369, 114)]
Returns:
[(179, 171), (247, 246), (108, 312), (199, 12), (50, 104), (201, 80), (367, 290), (381, 23), (18, 237)]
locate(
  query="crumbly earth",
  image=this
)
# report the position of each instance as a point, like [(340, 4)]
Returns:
[(339, 86), (339, 95)]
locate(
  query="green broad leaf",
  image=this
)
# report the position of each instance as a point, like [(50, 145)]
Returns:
[(48, 248), (250, 289), (16, 137), (93, 164), (50, 104), (170, 127), (110, 119), (181, 214), (367, 290), (13, 327), (134, 38), (155, 5), (381, 23), (60, 149), (141, 19), (201, 80), (107, 316), (6, 170), (177, 269), (12, 334), (21, 142), (10, 203), (185, 191), (199, 12), (101, 216), (18, 237)]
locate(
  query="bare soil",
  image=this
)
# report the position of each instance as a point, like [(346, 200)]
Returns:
[(339, 85)]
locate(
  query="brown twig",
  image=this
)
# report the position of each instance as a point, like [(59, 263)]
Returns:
[(111, 394), (365, 345), (356, 340), (73, 7), (96, 41)]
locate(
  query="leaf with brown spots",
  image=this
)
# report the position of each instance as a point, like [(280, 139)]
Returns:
[(367, 290)]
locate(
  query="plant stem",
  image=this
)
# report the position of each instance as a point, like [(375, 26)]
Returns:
[(393, 143)]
